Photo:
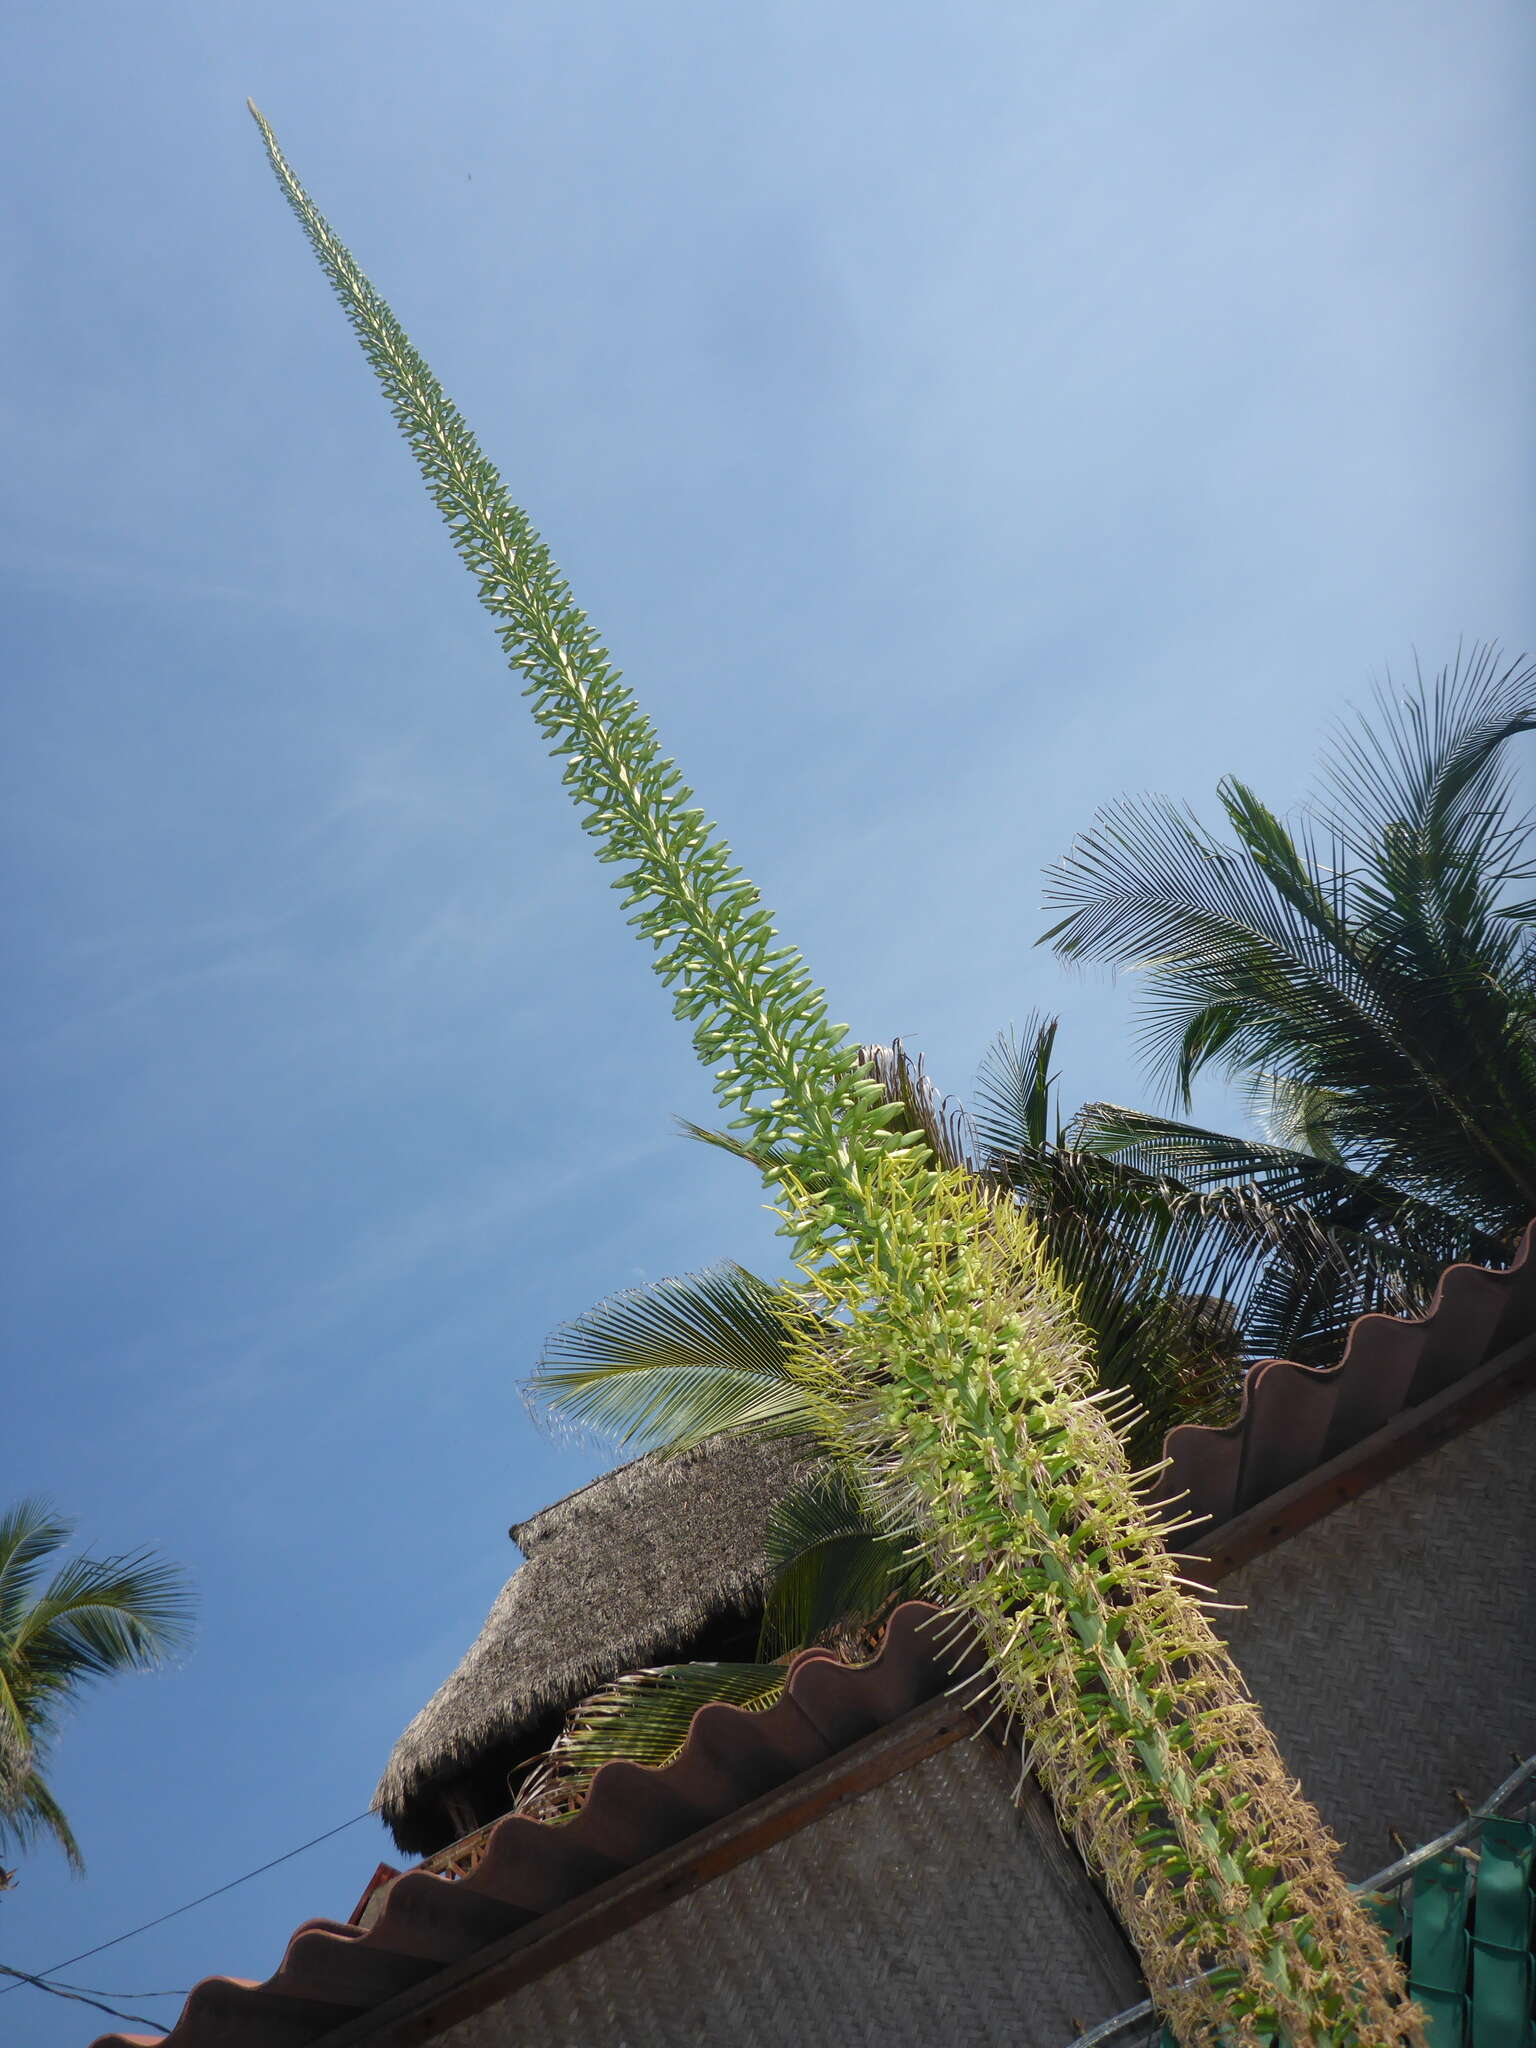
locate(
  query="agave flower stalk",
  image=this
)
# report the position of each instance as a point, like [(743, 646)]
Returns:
[(963, 1383)]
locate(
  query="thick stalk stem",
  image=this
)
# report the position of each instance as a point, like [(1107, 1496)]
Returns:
[(969, 1392)]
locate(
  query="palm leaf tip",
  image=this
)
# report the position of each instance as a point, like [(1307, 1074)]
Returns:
[(667, 1366), (30, 1532), (113, 1614), (1015, 1092)]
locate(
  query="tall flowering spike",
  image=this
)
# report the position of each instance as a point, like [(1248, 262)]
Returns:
[(962, 1386), (758, 1019)]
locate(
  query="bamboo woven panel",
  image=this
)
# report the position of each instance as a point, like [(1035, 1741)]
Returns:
[(1393, 1644), (919, 1915)]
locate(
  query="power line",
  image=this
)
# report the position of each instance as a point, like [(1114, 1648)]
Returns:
[(161, 1919), (82, 1998), (95, 1990)]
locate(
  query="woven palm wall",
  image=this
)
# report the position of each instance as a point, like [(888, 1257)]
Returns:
[(1393, 1644), (921, 1914)]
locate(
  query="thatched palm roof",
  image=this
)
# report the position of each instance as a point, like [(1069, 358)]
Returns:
[(617, 1575)]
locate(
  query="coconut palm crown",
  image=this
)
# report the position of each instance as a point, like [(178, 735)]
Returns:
[(959, 1385), (1368, 972)]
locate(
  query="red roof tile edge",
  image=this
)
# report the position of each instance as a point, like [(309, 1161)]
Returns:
[(1293, 1419), (331, 1972)]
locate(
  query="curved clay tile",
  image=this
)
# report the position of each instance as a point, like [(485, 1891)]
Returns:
[(1296, 1417), (330, 1973)]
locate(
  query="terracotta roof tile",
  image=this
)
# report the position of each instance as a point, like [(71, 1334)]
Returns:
[(331, 1972), (1296, 1417)]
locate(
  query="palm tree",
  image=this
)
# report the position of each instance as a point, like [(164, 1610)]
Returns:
[(958, 1385), (1369, 975), (94, 1618)]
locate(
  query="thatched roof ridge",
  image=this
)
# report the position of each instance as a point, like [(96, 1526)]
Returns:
[(615, 1573)]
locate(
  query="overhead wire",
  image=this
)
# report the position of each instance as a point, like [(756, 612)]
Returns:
[(83, 1998), (160, 1919), (87, 1990)]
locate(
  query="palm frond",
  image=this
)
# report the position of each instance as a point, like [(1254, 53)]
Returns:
[(1187, 1256), (838, 1564), (1235, 965), (1423, 798), (1297, 1115), (1014, 1091), (34, 1814), (94, 1618), (1432, 766), (644, 1718), (1341, 1244), (1175, 1281), (30, 1532), (1148, 883), (1160, 1274), (1424, 1236), (924, 1110), (769, 1160), (17, 1740), (1182, 1286), (666, 1366), (100, 1616)]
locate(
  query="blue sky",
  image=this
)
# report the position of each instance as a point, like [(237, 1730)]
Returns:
[(951, 423)]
